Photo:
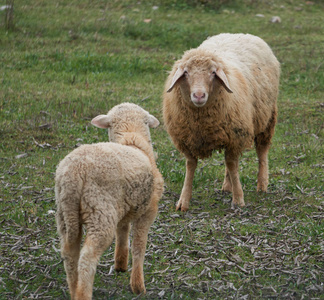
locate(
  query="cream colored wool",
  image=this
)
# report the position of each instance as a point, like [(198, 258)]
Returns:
[(222, 96), (105, 187)]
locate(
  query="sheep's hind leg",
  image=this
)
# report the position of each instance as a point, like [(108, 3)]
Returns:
[(140, 231), (122, 249), (227, 185), (263, 175), (186, 193), (232, 163), (98, 239), (262, 146)]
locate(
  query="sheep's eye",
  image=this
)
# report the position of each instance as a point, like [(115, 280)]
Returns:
[(185, 73), (214, 73)]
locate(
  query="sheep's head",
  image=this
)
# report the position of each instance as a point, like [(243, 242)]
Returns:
[(125, 118), (198, 76)]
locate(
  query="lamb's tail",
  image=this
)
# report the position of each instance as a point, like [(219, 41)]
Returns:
[(68, 213)]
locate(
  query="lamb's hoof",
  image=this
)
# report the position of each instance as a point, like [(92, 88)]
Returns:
[(138, 291), (121, 260), (138, 288), (262, 185)]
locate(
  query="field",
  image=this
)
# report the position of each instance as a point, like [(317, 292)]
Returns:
[(63, 62)]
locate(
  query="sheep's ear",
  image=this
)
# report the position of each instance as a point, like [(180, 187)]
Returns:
[(178, 74), (222, 76), (153, 122), (101, 121)]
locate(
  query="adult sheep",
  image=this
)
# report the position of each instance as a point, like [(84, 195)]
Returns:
[(222, 95), (107, 186)]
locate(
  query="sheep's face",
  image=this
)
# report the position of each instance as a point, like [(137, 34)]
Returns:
[(125, 118), (197, 79), (197, 84)]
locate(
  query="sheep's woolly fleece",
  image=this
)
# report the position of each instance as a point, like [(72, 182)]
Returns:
[(228, 120)]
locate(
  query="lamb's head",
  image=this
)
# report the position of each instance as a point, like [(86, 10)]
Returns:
[(126, 118), (198, 75)]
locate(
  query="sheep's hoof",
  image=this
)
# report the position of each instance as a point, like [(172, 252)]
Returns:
[(227, 187), (120, 269), (181, 207), (262, 188), (238, 204)]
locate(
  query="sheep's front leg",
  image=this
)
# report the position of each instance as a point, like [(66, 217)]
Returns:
[(232, 163), (140, 231), (227, 185), (186, 193), (121, 250)]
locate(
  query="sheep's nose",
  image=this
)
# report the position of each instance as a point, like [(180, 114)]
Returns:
[(199, 98), (199, 95)]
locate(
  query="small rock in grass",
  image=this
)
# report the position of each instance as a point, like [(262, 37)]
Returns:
[(275, 19)]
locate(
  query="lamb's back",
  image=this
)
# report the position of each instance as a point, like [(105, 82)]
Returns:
[(107, 172)]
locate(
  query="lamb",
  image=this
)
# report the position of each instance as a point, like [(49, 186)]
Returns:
[(222, 96), (107, 186)]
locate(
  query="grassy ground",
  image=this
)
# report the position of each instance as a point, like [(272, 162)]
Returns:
[(66, 61)]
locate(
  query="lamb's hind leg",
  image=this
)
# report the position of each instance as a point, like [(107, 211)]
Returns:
[(186, 193), (70, 250), (70, 232), (99, 237), (232, 163), (122, 249), (140, 231)]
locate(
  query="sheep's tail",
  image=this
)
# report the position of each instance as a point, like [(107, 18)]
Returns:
[(68, 213)]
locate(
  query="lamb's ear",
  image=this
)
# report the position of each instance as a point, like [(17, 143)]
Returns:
[(178, 74), (101, 121), (153, 122), (222, 76)]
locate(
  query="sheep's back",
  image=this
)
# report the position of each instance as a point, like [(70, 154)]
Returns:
[(241, 50), (249, 61)]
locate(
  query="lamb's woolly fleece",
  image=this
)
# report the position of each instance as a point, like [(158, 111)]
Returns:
[(111, 179), (105, 186), (228, 120)]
